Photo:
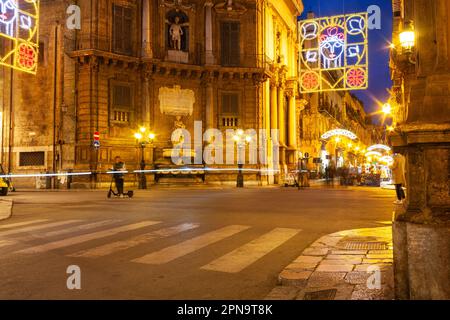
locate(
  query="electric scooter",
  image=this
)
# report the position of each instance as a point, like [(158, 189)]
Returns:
[(111, 192)]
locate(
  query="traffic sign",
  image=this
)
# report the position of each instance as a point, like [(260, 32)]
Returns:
[(96, 136)]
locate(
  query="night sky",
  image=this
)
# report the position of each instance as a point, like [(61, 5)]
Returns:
[(379, 78)]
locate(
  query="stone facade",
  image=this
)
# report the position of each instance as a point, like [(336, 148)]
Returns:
[(236, 61), (422, 133)]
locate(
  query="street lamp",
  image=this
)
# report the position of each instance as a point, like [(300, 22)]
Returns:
[(144, 137), (241, 141), (387, 108), (407, 37)]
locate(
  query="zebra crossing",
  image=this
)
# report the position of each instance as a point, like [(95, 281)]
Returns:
[(38, 238)]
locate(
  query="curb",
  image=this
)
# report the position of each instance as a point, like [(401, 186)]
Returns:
[(6, 209), (339, 266)]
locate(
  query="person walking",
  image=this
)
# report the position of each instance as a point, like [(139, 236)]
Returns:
[(119, 166), (398, 177)]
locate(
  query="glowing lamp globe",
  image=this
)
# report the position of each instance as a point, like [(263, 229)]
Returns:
[(407, 39), (387, 108)]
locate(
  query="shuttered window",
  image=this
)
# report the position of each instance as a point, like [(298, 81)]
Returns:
[(122, 103), (122, 29), (230, 103), (230, 117), (230, 35)]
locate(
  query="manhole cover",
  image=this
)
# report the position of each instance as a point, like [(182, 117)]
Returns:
[(321, 295)]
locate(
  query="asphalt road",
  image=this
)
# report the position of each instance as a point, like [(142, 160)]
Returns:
[(171, 243)]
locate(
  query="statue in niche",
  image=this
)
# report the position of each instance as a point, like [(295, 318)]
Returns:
[(178, 124), (177, 31)]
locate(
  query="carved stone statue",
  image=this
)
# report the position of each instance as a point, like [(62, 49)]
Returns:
[(178, 124), (176, 33)]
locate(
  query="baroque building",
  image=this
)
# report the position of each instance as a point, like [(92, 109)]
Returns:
[(160, 64)]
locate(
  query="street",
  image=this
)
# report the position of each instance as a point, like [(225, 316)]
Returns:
[(171, 243)]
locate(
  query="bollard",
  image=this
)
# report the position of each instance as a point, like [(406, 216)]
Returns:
[(69, 179), (48, 181)]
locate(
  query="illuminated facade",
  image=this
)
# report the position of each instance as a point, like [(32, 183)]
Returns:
[(229, 64), (19, 35), (334, 53)]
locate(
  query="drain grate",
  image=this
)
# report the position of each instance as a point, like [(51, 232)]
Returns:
[(360, 245), (329, 294)]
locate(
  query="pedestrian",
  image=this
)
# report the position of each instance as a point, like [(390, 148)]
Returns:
[(398, 177), (119, 166)]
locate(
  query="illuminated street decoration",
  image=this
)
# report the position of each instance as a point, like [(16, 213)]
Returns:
[(373, 154), (387, 159), (379, 147), (334, 55), (19, 21), (339, 132)]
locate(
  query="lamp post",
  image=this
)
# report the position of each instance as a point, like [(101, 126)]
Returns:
[(241, 141), (144, 137)]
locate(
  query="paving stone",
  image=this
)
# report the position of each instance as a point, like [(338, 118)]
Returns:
[(363, 267), (361, 292), (377, 261), (308, 259), (315, 252), (344, 257), (335, 268), (328, 262), (323, 279), (301, 266), (343, 291), (357, 277), (380, 256), (283, 293), (389, 252), (294, 278), (348, 252)]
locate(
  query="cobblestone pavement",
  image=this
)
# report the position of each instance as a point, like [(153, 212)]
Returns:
[(347, 265)]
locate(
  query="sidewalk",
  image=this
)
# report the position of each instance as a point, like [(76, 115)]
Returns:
[(347, 265)]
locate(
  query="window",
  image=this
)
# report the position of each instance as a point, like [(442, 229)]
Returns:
[(230, 110), (230, 48), (122, 26), (32, 159), (122, 103)]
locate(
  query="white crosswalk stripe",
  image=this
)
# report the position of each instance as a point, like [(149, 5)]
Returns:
[(242, 257), (177, 251), (86, 237), (20, 224), (38, 227), (83, 227), (113, 247)]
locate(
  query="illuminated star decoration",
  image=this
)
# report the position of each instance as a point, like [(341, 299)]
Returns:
[(334, 55), (19, 21)]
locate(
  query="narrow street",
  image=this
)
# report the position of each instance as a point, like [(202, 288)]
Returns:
[(172, 243)]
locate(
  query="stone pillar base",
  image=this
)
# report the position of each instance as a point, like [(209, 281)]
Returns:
[(421, 261)]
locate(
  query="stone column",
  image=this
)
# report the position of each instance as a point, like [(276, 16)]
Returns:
[(209, 106), (282, 115), (292, 122), (273, 106), (209, 55), (146, 30), (422, 228)]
